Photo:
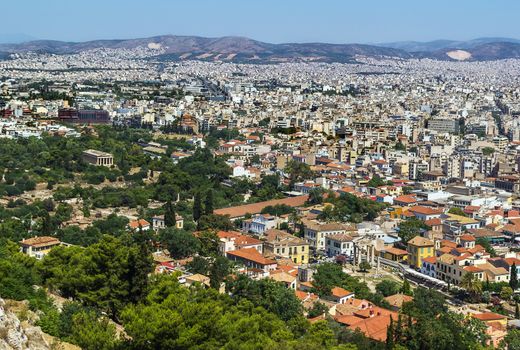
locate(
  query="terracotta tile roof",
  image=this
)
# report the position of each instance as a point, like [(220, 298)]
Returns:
[(340, 237), (420, 241), (471, 209), (305, 295), (256, 208), (406, 198), (240, 239), (472, 269), (134, 224), (41, 241), (376, 326), (511, 261), (513, 213), (433, 222), (484, 232), (445, 250), (511, 228), (398, 300), (395, 251), (352, 305), (251, 254), (430, 260), (282, 276), (275, 236), (425, 210), (467, 237), (347, 319), (446, 243), (339, 292)]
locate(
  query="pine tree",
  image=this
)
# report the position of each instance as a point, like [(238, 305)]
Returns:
[(169, 215), (513, 279), (390, 335), (140, 265), (197, 207), (208, 204)]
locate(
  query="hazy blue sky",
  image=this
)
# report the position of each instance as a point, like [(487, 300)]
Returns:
[(339, 21)]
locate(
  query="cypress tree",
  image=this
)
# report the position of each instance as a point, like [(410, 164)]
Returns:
[(513, 279), (406, 287), (197, 207), (399, 329), (208, 204), (169, 215)]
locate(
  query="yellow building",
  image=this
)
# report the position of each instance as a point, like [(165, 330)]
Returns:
[(283, 244), (418, 249), (395, 211)]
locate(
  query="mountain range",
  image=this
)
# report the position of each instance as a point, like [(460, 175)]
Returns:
[(241, 49)]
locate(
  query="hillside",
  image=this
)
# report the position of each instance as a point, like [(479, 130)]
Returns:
[(241, 49)]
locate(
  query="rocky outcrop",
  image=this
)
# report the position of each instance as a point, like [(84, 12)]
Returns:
[(15, 335)]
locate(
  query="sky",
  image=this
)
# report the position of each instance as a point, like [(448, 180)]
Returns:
[(275, 21)]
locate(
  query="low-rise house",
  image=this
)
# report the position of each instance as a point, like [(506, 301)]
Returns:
[(394, 254), (283, 244), (425, 213), (496, 327), (158, 222), (251, 258), (197, 278), (38, 247), (340, 295), (419, 248), (339, 244), (231, 240), (315, 232), (260, 223), (405, 200), (467, 241), (283, 277), (140, 224)]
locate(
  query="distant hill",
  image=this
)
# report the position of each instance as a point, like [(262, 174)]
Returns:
[(240, 49), (436, 45)]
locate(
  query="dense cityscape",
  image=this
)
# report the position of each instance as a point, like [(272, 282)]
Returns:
[(259, 196)]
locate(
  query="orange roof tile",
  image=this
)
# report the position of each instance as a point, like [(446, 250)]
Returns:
[(251, 254), (339, 292)]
